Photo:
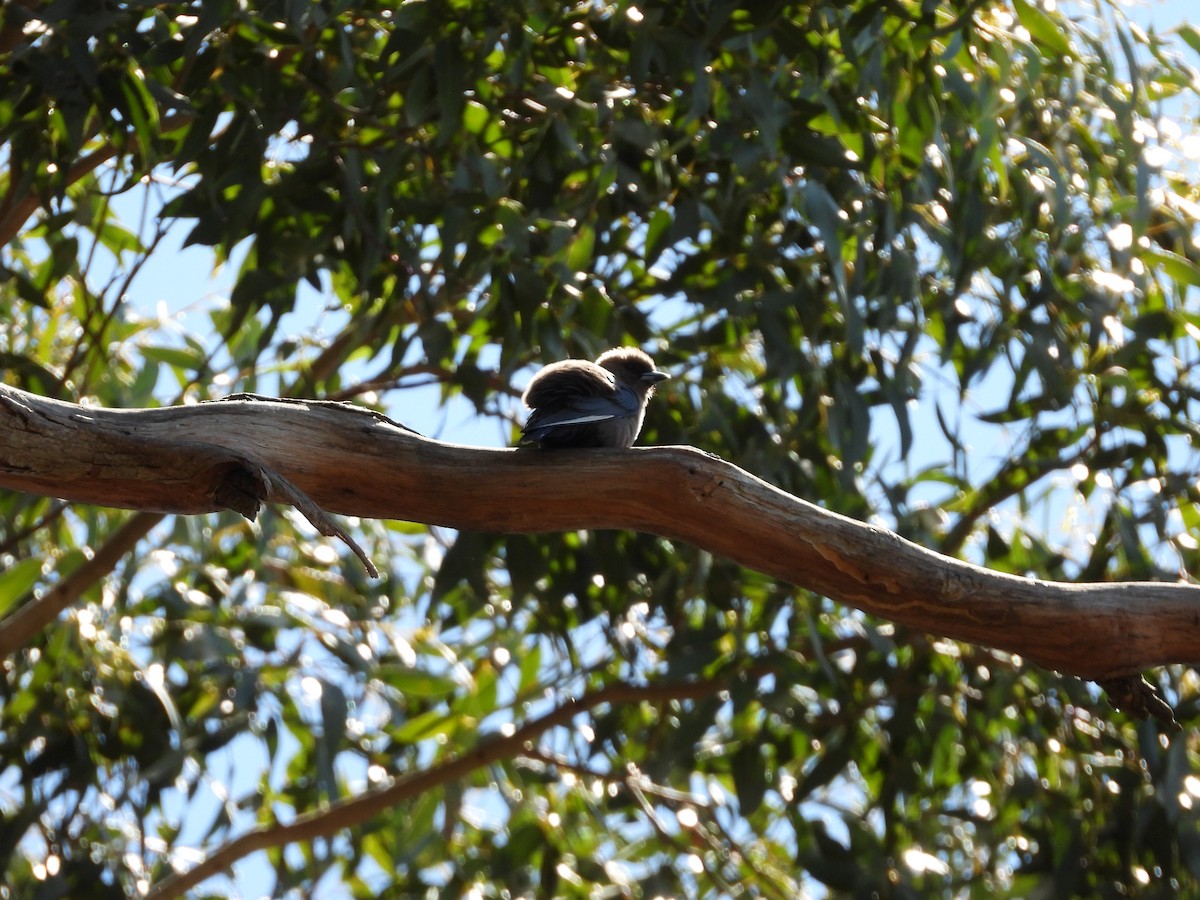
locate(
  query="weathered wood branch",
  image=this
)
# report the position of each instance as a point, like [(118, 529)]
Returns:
[(349, 461)]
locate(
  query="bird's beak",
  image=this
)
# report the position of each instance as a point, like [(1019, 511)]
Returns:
[(654, 377)]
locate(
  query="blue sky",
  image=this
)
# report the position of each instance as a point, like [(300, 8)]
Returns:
[(1163, 14)]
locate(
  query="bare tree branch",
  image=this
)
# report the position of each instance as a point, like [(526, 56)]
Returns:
[(350, 461)]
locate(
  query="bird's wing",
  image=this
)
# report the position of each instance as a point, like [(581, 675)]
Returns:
[(621, 404), (561, 383)]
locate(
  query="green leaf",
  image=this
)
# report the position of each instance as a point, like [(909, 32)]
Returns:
[(579, 256), (17, 581), (1178, 268), (749, 778), (531, 666), (656, 232), (118, 240), (1044, 30), (475, 117), (416, 682), (187, 359), (1190, 35), (434, 723), (823, 211), (140, 106)]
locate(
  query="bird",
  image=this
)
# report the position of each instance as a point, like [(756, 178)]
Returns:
[(576, 403)]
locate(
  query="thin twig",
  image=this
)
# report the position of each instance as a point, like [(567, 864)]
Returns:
[(57, 508), (277, 487)]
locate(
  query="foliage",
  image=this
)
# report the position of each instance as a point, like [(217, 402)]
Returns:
[(925, 263)]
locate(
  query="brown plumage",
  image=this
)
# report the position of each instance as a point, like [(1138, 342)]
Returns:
[(577, 403)]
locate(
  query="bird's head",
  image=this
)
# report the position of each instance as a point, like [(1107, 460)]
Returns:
[(633, 368)]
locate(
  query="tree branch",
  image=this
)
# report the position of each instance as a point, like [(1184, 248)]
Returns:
[(13, 215), (22, 626), (356, 810), (16, 210), (350, 461)]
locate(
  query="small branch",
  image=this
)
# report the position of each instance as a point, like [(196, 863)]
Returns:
[(13, 34), (357, 810), (57, 508), (15, 211), (22, 626), (276, 487), (1139, 698), (1012, 478), (14, 215)]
